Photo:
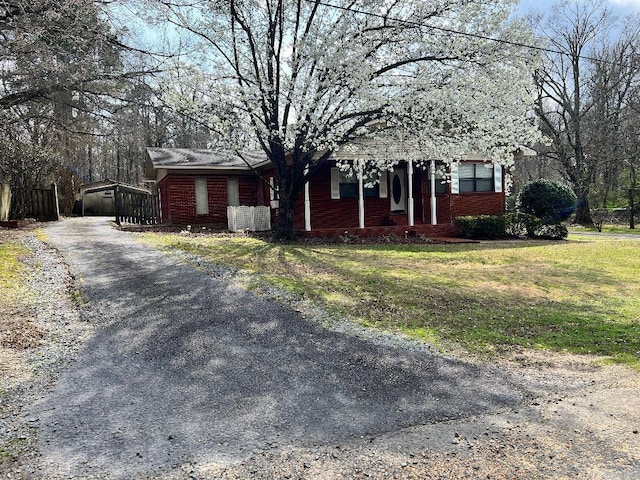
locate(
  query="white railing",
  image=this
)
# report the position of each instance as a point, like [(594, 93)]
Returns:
[(254, 219)]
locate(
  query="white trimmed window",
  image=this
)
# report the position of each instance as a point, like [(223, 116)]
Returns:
[(475, 177), (202, 196)]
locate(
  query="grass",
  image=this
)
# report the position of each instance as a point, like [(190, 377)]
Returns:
[(607, 228), (16, 329), (11, 270), (580, 296)]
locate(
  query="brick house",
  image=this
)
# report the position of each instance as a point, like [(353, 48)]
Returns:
[(196, 186)]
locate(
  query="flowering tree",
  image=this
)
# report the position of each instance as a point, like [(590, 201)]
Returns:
[(308, 76)]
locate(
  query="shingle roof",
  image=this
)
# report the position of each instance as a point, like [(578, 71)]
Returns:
[(193, 158)]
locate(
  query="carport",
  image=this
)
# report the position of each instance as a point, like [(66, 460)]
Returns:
[(127, 203)]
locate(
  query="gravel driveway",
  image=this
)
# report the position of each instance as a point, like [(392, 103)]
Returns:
[(186, 366)]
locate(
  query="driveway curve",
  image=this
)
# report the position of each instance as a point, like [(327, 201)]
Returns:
[(186, 366)]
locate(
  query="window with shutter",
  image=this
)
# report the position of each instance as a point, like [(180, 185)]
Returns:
[(475, 177), (344, 185)]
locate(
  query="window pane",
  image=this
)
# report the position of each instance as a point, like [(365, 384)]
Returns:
[(348, 190), (348, 179), (484, 185), (372, 191), (465, 170), (441, 183), (466, 185), (483, 171)]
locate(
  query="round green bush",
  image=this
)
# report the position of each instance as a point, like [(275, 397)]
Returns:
[(548, 200)]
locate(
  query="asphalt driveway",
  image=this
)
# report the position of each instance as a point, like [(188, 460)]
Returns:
[(187, 366)]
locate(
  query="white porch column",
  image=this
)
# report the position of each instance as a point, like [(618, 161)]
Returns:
[(434, 213), (410, 199), (360, 196), (307, 204)]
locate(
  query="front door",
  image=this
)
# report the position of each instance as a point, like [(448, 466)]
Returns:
[(398, 186)]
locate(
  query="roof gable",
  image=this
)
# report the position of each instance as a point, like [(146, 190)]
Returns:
[(178, 158)]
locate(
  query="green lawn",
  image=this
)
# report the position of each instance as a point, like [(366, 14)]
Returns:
[(607, 228), (581, 295)]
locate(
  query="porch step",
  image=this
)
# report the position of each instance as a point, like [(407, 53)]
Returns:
[(445, 230)]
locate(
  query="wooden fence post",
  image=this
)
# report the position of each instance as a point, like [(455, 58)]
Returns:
[(118, 205), (56, 205)]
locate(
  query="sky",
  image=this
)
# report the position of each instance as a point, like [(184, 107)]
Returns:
[(619, 7)]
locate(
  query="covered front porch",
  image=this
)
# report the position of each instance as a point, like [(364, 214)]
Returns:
[(402, 201)]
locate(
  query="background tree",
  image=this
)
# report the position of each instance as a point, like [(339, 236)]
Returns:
[(585, 86), (64, 74), (573, 30), (305, 77), (612, 124)]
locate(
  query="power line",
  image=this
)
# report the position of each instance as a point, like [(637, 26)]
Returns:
[(465, 34)]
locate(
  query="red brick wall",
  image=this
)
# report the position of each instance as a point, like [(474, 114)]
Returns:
[(479, 203), (178, 197)]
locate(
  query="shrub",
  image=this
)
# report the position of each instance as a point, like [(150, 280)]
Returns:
[(521, 224), (549, 200), (556, 231), (482, 227)]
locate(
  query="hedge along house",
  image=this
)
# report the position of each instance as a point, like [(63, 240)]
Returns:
[(196, 186)]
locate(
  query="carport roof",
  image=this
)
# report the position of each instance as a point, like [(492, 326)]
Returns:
[(111, 185)]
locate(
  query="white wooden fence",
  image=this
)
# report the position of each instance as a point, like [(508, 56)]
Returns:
[(254, 219)]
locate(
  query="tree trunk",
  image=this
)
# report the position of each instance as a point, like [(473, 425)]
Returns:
[(286, 215), (632, 209), (583, 212)]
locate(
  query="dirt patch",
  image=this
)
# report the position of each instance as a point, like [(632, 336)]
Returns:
[(18, 331)]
